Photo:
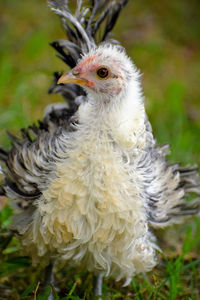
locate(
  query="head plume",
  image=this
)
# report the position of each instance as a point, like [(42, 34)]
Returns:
[(86, 28)]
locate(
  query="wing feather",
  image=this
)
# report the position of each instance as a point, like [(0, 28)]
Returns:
[(167, 186)]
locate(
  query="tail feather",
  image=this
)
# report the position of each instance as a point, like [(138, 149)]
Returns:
[(112, 18), (68, 51), (87, 22), (75, 31)]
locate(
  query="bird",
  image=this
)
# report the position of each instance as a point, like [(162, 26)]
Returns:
[(90, 182)]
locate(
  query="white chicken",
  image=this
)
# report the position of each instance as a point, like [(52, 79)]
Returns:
[(92, 181)]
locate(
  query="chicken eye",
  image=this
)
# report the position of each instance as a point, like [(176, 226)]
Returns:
[(102, 72)]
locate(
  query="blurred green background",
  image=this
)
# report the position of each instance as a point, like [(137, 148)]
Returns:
[(163, 39)]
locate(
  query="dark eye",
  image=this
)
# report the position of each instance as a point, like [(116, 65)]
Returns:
[(102, 72)]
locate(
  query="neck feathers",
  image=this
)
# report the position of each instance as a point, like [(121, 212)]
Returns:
[(123, 117)]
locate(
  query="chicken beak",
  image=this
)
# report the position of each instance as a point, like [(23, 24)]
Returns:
[(71, 78)]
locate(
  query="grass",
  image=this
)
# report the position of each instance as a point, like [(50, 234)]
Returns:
[(163, 39)]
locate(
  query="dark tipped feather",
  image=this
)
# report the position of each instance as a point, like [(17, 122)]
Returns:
[(172, 184), (112, 18), (2, 191), (168, 203), (69, 52), (3, 155)]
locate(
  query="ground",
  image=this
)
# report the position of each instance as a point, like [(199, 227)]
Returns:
[(163, 40)]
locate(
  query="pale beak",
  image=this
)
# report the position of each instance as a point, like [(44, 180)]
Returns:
[(71, 78)]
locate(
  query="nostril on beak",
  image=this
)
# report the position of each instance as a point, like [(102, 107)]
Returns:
[(75, 72)]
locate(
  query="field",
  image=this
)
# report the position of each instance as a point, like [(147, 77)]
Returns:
[(163, 39)]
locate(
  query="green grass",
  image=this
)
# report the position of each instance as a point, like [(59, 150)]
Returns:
[(163, 40)]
